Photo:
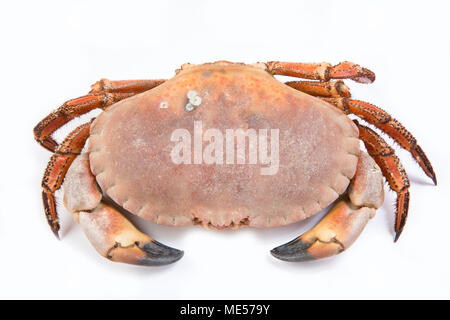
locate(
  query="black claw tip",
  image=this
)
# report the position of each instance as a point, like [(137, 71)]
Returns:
[(397, 235), (293, 251), (434, 179), (56, 233), (159, 254), (430, 173), (55, 228)]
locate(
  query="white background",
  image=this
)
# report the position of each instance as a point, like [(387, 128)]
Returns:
[(52, 51)]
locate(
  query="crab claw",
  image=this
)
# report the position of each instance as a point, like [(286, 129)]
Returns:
[(332, 235), (295, 250), (345, 221), (151, 253), (115, 238)]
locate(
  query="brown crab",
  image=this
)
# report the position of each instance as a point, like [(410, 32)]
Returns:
[(128, 164)]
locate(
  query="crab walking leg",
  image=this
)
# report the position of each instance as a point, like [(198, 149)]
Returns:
[(70, 110), (125, 86), (345, 221), (103, 94), (110, 233), (385, 122), (322, 71), (321, 89), (393, 171), (57, 168)]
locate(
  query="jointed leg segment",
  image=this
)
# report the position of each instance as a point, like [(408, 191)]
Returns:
[(125, 86), (385, 122), (392, 169), (56, 170), (103, 94), (321, 89), (338, 94), (322, 71)]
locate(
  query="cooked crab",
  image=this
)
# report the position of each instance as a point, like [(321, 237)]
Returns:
[(129, 164)]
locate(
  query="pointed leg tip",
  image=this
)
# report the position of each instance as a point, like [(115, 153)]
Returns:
[(397, 235), (56, 233), (55, 230), (294, 251), (158, 254), (421, 158), (434, 179), (428, 169), (365, 76), (369, 74)]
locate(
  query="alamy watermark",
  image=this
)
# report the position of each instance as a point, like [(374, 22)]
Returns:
[(208, 147)]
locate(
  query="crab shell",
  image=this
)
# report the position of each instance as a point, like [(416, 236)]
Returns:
[(130, 150)]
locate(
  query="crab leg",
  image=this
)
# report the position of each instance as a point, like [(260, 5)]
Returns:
[(103, 94), (337, 93), (56, 170), (321, 89), (392, 169), (322, 71), (345, 221), (382, 120), (125, 86), (110, 233), (70, 110)]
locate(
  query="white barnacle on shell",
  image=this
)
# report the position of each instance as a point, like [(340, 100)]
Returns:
[(189, 107), (194, 100)]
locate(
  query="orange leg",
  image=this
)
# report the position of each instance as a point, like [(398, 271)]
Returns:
[(322, 71), (337, 93), (382, 120), (125, 86), (57, 168), (392, 170), (103, 94), (321, 89)]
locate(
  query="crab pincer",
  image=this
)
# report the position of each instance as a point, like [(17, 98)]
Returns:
[(343, 224), (115, 238)]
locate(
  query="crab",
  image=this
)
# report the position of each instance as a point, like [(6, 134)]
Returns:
[(127, 165)]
